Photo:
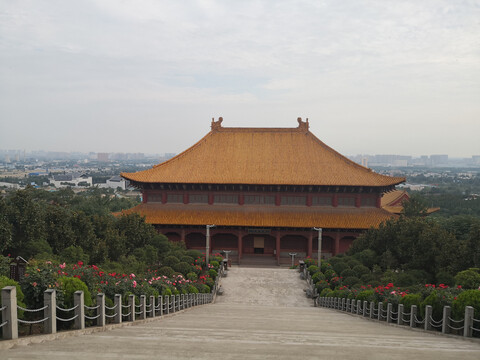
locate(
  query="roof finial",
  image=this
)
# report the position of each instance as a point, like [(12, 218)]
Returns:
[(302, 125), (217, 124)]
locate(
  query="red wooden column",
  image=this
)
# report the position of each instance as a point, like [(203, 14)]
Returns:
[(309, 246), (278, 247), (337, 243), (240, 245)]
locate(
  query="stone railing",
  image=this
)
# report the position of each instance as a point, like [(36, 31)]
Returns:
[(98, 314), (447, 325)]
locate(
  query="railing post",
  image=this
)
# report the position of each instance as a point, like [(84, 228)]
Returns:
[(353, 306), (365, 306), (447, 311), (428, 315), (101, 309), (182, 302), (9, 299), (348, 305), (177, 301), (118, 305), (372, 309), (143, 307), (160, 305), (468, 324), (131, 304), (172, 298), (167, 304), (152, 306), (343, 304), (78, 301), (389, 312), (400, 314), (359, 307), (380, 311), (50, 313), (413, 315)]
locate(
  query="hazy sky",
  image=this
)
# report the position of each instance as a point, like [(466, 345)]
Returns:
[(373, 77)]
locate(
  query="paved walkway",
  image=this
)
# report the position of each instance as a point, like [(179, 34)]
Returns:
[(264, 314)]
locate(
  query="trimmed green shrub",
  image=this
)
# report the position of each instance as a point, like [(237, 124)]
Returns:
[(466, 298), (340, 266), (317, 277), (468, 279), (166, 271), (69, 285), (326, 266), (367, 257), (209, 281), (213, 273), (171, 261), (312, 269), (192, 289), (187, 259), (437, 301), (347, 273), (368, 295), (351, 281), (444, 277), (194, 254), (329, 274), (411, 299), (192, 276), (325, 292), (321, 285), (183, 267), (360, 270), (5, 281), (215, 264), (309, 262)]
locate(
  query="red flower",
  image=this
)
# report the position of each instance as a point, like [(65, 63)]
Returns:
[(80, 263)]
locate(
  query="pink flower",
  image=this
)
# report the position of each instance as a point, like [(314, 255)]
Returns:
[(134, 283), (34, 284), (62, 266)]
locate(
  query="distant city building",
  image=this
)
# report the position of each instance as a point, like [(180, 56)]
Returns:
[(439, 159), (117, 182), (102, 157), (72, 179)]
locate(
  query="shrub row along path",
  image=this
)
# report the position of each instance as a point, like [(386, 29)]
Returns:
[(263, 314)]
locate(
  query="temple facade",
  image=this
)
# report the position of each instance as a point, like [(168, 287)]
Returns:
[(265, 190)]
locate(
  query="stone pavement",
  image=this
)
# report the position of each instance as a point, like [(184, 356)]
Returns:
[(263, 314)]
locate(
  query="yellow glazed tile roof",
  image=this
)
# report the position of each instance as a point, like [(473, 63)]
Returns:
[(262, 156), (393, 202), (295, 217)]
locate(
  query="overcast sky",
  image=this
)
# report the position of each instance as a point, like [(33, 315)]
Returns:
[(373, 77)]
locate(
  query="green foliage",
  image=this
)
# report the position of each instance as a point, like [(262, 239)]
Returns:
[(411, 299), (360, 270), (194, 254), (325, 266), (312, 269), (215, 264), (351, 281), (4, 265), (340, 266), (325, 292), (321, 285), (171, 261), (444, 277), (183, 267), (187, 259), (329, 274), (367, 257), (468, 279), (437, 301), (192, 276), (317, 277), (213, 273), (73, 254), (347, 272), (166, 271), (366, 295), (69, 285), (5, 281), (466, 298)]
